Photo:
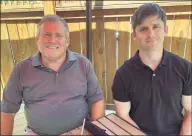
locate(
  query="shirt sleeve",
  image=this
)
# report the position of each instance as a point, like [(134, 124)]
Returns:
[(119, 89), (187, 89), (12, 94), (94, 93)]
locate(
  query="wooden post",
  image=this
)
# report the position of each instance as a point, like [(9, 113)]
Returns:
[(88, 29), (49, 7)]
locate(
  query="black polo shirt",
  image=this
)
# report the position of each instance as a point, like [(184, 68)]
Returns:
[(155, 96)]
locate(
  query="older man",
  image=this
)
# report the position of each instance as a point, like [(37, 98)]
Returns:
[(55, 84), (151, 89)]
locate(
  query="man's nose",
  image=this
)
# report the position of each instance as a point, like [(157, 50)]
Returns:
[(52, 39), (150, 32)]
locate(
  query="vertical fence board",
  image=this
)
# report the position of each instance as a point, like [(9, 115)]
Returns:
[(32, 30), (179, 36), (83, 37), (110, 40), (124, 32), (168, 38), (74, 37), (134, 47), (24, 39), (49, 7), (6, 56), (14, 41), (99, 54), (189, 42)]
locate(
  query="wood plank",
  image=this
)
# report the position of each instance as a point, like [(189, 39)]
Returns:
[(124, 37), (20, 122), (169, 37), (83, 37), (134, 47), (49, 7), (32, 30), (110, 45), (24, 39), (33, 13), (122, 12), (19, 116), (14, 41), (81, 5), (22, 16), (6, 55), (74, 37), (21, 133), (110, 125), (179, 36), (126, 126), (19, 129), (99, 55), (103, 127), (188, 41)]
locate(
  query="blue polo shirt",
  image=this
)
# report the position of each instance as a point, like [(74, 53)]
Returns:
[(55, 102)]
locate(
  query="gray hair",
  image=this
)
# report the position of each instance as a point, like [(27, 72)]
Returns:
[(56, 18)]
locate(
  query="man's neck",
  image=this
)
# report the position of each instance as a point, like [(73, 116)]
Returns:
[(53, 64), (151, 58)]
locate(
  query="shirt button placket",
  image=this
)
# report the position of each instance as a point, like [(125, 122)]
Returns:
[(153, 76), (56, 78)]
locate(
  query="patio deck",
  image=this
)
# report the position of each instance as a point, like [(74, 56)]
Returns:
[(19, 122)]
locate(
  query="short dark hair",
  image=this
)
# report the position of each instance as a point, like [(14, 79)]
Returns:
[(146, 10), (53, 18)]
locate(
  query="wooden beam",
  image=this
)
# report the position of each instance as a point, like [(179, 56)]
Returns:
[(104, 4), (49, 7), (106, 13), (22, 15), (170, 10), (22, 10)]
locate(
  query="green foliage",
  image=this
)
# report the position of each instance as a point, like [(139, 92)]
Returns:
[(18, 2)]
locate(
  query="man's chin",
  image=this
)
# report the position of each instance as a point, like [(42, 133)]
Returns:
[(51, 57), (150, 48)]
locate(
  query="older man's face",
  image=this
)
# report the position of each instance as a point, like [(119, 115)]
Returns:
[(52, 41)]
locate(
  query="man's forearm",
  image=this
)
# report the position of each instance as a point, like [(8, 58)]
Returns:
[(98, 110), (186, 124), (7, 121), (128, 119)]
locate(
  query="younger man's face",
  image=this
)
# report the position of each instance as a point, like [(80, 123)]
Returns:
[(150, 34)]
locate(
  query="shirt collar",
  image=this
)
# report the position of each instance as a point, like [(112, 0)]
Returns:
[(36, 58), (165, 58), (71, 56), (139, 64)]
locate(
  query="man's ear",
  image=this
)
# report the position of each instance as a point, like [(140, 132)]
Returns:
[(133, 35), (68, 42), (166, 30), (36, 38)]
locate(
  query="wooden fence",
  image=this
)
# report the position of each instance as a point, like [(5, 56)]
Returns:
[(18, 30)]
